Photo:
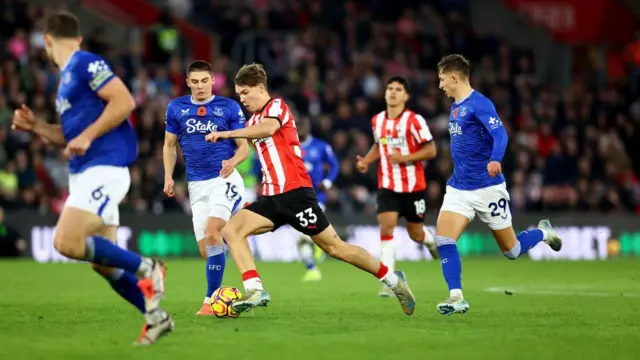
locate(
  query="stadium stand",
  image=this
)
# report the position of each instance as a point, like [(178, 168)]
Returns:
[(570, 149)]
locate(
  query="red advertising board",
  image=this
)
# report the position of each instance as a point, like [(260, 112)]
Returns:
[(578, 21)]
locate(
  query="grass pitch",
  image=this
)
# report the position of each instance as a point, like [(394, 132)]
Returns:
[(519, 310)]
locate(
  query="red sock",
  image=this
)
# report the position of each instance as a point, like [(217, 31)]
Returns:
[(382, 271), (250, 275), (386, 237), (251, 280)]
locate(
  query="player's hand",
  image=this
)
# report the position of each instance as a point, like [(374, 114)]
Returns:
[(23, 119), (217, 136), (361, 165), (227, 168), (494, 168), (396, 157), (78, 146), (168, 187)]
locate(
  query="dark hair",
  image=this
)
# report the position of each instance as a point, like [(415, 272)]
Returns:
[(199, 65), (454, 62), (62, 24), (400, 80), (251, 75)]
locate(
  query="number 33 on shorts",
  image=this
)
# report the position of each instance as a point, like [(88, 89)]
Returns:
[(307, 217)]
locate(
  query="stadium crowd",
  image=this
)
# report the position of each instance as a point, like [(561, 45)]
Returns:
[(568, 150)]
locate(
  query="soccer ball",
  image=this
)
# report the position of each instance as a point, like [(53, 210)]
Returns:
[(222, 299)]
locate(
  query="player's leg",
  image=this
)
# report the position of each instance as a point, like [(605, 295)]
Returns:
[(387, 221), (388, 210), (122, 282), (225, 197), (413, 208), (252, 220), (493, 209), (455, 215), (329, 241), (93, 203)]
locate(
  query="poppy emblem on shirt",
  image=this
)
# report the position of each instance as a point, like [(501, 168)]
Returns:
[(455, 113), (202, 111)]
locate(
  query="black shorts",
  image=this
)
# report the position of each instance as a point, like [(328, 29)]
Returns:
[(298, 208), (411, 206)]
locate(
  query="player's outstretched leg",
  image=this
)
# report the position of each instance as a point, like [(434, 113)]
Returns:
[(73, 239), (448, 229), (214, 251), (329, 241), (513, 246), (235, 233), (305, 246)]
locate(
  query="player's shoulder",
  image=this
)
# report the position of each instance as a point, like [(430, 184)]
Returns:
[(479, 101), (180, 101), (91, 62), (277, 108), (380, 115)]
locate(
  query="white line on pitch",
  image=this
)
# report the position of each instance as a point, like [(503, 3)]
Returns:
[(530, 291)]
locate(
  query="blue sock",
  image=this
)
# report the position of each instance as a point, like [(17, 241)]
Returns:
[(101, 251), (126, 284), (526, 241), (450, 260), (216, 261)]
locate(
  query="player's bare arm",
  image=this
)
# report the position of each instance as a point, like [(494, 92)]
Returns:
[(242, 152), (265, 129), (362, 163), (169, 156), (120, 104), (25, 120), (427, 151)]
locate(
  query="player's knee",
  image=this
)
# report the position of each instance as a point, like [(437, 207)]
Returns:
[(230, 231), (213, 237), (68, 244)]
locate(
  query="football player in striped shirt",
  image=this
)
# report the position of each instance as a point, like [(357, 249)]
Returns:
[(402, 143)]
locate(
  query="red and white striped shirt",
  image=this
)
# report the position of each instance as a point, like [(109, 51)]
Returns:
[(280, 156), (406, 134)]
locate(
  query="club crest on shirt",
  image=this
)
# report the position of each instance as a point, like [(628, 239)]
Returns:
[(218, 112), (463, 111)]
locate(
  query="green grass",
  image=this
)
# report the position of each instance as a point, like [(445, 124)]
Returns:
[(558, 310)]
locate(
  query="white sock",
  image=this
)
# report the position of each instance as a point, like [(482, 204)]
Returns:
[(253, 284), (207, 300), (388, 253), (391, 279), (545, 234), (428, 237), (456, 294)]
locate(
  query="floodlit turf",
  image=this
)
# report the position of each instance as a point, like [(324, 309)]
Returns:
[(558, 310)]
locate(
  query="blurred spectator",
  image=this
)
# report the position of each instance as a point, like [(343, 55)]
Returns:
[(569, 149)]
